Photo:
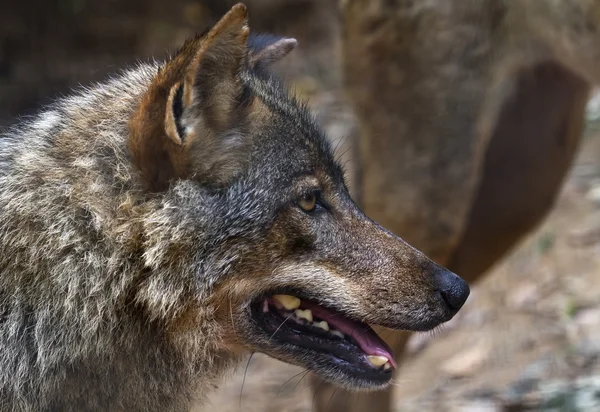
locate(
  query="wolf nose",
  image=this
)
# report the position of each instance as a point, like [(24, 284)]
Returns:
[(453, 289)]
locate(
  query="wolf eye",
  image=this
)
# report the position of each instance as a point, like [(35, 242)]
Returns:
[(308, 202)]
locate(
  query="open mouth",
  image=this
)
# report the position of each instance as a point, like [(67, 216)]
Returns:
[(349, 346)]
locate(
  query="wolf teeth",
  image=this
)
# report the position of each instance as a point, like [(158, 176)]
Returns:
[(377, 360), (323, 325), (337, 333), (304, 314), (386, 366), (287, 301)]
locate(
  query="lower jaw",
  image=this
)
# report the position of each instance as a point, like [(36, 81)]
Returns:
[(352, 377), (335, 370), (344, 363)]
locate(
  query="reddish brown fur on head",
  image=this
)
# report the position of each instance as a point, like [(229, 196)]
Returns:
[(194, 100)]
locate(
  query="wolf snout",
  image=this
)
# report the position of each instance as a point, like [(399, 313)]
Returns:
[(453, 290)]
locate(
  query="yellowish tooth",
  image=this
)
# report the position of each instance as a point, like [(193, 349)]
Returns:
[(304, 314), (386, 366), (377, 360), (337, 333), (287, 301), (323, 325)]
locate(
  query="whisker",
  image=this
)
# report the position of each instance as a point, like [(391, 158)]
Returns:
[(304, 376), (315, 392), (284, 383), (341, 155), (338, 145), (279, 327), (231, 316), (331, 397), (244, 380)]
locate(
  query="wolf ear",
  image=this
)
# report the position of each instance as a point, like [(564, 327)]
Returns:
[(210, 88), (264, 49), (190, 122)]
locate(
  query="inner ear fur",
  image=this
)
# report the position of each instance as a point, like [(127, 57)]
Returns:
[(173, 113)]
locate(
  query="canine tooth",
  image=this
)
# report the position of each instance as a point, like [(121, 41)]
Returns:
[(337, 333), (323, 325), (377, 360), (386, 366), (287, 301), (304, 314)]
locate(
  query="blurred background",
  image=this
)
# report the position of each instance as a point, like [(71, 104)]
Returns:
[(463, 129)]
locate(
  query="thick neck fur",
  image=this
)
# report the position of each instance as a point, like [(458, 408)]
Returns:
[(99, 286)]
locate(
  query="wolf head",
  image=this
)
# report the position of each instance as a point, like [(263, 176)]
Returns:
[(254, 202)]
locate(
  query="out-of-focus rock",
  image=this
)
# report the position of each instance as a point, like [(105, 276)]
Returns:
[(469, 361)]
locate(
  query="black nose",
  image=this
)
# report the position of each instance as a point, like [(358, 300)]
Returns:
[(453, 289)]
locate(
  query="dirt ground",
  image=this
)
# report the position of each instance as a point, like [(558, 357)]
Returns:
[(527, 339)]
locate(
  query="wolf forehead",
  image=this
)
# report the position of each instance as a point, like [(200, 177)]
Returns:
[(289, 137)]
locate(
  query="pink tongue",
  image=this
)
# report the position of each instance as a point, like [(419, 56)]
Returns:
[(367, 339)]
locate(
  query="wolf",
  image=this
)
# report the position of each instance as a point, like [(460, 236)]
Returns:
[(158, 227)]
